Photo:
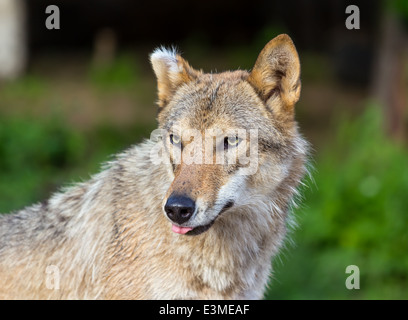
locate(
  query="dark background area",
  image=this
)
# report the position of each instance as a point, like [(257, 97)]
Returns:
[(313, 25)]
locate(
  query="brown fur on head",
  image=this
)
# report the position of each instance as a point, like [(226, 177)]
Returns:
[(262, 99), (275, 75), (171, 71)]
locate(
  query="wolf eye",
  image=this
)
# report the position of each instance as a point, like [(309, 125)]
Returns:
[(230, 142), (174, 139)]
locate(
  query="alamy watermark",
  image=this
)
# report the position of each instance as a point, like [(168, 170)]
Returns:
[(214, 146), (353, 20), (52, 277), (53, 20), (353, 280)]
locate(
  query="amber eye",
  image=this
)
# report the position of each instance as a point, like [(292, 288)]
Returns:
[(174, 139), (230, 142)]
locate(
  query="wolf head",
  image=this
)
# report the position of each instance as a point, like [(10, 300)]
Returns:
[(229, 137)]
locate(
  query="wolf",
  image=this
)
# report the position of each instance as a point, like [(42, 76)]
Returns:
[(152, 225)]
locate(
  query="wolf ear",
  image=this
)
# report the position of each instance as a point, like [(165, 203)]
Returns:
[(171, 72), (276, 75)]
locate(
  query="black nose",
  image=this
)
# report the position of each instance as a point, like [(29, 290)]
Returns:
[(179, 208)]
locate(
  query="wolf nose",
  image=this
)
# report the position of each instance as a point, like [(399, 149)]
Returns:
[(179, 208)]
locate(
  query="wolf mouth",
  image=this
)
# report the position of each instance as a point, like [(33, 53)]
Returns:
[(201, 229)]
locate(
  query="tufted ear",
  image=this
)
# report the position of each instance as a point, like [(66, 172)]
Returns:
[(171, 72), (276, 75)]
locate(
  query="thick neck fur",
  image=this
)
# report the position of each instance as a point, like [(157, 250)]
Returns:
[(117, 242)]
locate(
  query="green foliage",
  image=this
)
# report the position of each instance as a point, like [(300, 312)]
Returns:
[(401, 7), (123, 72), (355, 213), (30, 87), (28, 154), (38, 157)]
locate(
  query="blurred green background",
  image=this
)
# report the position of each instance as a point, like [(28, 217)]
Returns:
[(79, 100)]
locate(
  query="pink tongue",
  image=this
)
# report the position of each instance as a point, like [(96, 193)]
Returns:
[(181, 230)]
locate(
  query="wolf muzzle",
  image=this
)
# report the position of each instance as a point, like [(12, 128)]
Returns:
[(179, 208)]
